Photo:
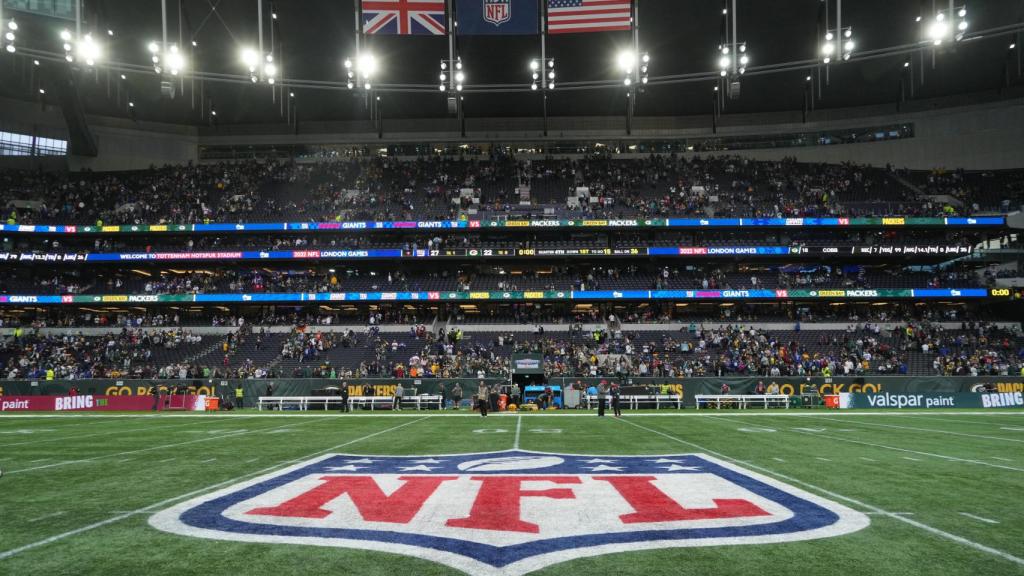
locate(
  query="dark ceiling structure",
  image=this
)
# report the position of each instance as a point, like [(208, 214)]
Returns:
[(313, 37)]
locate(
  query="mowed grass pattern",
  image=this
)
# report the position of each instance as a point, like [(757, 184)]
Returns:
[(89, 483)]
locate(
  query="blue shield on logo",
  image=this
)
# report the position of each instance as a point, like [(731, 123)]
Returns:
[(512, 512), (497, 12)]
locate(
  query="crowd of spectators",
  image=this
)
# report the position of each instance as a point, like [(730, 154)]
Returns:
[(384, 188)]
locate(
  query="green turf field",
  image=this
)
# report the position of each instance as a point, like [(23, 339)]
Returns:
[(944, 491)]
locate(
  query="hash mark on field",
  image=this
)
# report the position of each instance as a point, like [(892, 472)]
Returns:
[(868, 459), (40, 460), (889, 513), (823, 459), (979, 518), (125, 460), (167, 460), (54, 515), (909, 458), (251, 460), (778, 459), (207, 461)]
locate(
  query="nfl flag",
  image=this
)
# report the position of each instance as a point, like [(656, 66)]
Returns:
[(404, 17), (497, 16), (566, 16)]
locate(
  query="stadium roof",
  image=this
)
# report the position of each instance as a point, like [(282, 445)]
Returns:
[(682, 37)]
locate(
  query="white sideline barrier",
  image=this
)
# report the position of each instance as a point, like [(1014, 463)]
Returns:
[(743, 400), (302, 403), (633, 401)]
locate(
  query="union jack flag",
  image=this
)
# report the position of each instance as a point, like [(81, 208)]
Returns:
[(404, 17)]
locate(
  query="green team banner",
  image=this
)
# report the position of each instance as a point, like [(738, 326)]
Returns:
[(791, 386)]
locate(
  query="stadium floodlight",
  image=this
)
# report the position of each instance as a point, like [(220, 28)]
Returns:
[(89, 50), (833, 47), (542, 73), (174, 60), (361, 70), (626, 60), (452, 81), (945, 26), (9, 35), (251, 59)]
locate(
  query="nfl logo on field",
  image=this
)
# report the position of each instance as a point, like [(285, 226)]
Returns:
[(497, 12), (511, 512)]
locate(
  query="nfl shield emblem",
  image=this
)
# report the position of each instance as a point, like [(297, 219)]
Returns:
[(511, 512), (497, 12)]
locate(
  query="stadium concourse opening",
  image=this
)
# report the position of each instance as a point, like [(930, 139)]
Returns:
[(511, 287)]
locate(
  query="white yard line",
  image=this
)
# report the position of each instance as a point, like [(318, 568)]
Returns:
[(979, 518), (519, 425), (140, 450), (47, 516), (1003, 459), (897, 449), (868, 507), (933, 431), (162, 503), (108, 433)]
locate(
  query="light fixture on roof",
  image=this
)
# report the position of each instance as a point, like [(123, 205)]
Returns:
[(944, 26), (452, 82), (10, 35), (634, 66), (361, 70), (88, 50), (542, 74)]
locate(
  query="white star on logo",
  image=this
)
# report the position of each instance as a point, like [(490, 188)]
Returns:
[(419, 468), (603, 468), (598, 461), (349, 468), (677, 468), (665, 461)]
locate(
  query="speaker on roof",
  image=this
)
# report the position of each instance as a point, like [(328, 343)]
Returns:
[(167, 89), (734, 90)]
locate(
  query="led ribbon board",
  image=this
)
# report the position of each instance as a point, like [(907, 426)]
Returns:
[(679, 223), (509, 296)]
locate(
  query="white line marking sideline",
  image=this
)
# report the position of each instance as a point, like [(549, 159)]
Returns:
[(119, 517), (54, 515), (106, 456), (519, 425), (979, 518), (931, 430), (869, 507), (907, 450)]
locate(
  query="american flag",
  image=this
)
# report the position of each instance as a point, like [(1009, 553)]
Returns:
[(404, 17), (566, 16)]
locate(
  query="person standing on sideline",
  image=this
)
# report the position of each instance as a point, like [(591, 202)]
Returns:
[(602, 394), (457, 395), (239, 397), (344, 396), (482, 397), (441, 393), (616, 397), (396, 403)]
